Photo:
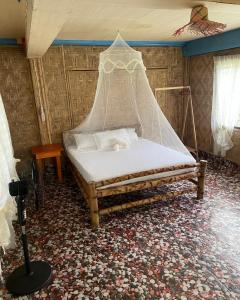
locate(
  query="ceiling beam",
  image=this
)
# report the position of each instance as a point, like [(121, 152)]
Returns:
[(149, 4), (223, 41), (45, 19), (225, 1)]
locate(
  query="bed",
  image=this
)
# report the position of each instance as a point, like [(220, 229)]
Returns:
[(145, 164)]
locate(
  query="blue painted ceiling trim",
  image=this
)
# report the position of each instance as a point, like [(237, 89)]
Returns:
[(4, 41), (108, 43), (223, 41)]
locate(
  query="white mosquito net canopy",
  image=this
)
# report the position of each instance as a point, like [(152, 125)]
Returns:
[(124, 99), (7, 174)]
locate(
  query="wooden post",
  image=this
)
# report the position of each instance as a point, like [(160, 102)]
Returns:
[(201, 179), (193, 124), (40, 170), (59, 169), (93, 202), (189, 103), (185, 118)]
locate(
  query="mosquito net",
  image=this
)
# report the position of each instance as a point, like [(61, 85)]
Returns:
[(124, 99)]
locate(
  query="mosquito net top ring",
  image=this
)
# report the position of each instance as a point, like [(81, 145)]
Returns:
[(109, 65)]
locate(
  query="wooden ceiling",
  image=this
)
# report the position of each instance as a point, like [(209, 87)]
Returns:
[(42, 21)]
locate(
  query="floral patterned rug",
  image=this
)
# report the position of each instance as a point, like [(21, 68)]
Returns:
[(177, 249)]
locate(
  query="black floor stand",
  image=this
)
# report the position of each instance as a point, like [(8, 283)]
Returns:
[(31, 276), (20, 283)]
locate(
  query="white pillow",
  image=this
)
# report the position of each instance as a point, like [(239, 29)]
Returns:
[(85, 141), (107, 139), (132, 134), (68, 139)]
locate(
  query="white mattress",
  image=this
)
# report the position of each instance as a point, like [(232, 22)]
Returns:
[(141, 156)]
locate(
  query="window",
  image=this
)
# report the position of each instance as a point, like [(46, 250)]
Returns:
[(226, 101)]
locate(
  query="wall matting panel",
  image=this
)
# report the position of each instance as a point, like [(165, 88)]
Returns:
[(201, 79), (18, 98), (82, 87)]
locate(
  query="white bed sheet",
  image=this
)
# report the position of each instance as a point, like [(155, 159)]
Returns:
[(143, 155)]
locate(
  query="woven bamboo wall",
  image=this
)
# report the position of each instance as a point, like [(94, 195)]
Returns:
[(201, 78), (70, 76), (18, 98), (63, 84)]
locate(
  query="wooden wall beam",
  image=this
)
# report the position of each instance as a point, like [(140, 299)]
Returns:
[(45, 19), (39, 87)]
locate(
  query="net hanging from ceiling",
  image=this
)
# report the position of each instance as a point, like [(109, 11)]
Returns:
[(124, 99)]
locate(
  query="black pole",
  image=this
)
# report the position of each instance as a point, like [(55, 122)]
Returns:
[(26, 253), (22, 221)]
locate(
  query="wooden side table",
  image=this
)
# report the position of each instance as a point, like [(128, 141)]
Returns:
[(48, 151)]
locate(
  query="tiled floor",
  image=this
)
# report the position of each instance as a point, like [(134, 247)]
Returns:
[(177, 249)]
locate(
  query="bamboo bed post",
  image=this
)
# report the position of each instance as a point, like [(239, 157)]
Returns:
[(201, 179), (93, 203)]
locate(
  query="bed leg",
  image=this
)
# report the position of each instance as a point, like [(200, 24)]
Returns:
[(201, 179), (93, 203)]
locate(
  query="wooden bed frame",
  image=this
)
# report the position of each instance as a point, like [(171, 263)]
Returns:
[(92, 193)]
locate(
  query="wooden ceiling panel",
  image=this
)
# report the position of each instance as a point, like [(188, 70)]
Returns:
[(144, 20)]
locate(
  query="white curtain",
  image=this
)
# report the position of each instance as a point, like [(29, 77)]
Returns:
[(226, 101), (7, 173)]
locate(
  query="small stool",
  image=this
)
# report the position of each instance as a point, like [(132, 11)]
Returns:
[(48, 151)]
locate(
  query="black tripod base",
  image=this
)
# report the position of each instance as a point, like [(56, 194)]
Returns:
[(20, 283)]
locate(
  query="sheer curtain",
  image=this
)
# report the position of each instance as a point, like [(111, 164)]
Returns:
[(226, 101), (7, 173)]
